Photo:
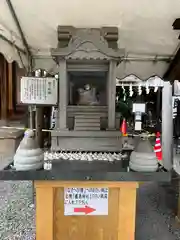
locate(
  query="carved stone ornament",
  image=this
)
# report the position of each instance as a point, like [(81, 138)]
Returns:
[(87, 44)]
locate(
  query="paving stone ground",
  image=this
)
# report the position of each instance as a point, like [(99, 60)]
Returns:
[(155, 217)]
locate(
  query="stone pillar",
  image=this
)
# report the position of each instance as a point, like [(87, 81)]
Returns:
[(111, 95), (62, 118), (167, 126), (71, 93)]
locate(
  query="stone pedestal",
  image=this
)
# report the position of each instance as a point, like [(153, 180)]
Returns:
[(9, 141), (3, 122)]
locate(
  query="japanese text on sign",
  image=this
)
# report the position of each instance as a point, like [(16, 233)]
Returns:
[(39, 90), (82, 195), (94, 201)]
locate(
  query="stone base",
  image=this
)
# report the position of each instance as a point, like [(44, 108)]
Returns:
[(9, 141), (105, 141), (111, 129), (3, 122), (63, 129)]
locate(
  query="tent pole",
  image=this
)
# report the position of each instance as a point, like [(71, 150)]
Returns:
[(29, 55), (15, 18), (18, 26)]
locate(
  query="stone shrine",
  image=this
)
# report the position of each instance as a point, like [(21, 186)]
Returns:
[(86, 119)]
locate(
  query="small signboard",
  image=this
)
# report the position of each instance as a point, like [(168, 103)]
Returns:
[(39, 91), (85, 201), (53, 117), (139, 107), (175, 99)]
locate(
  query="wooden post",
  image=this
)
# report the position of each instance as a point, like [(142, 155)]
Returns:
[(3, 87), (40, 121), (10, 89), (32, 114), (44, 213), (126, 226)]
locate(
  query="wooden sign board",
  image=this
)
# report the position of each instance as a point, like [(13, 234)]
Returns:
[(39, 91)]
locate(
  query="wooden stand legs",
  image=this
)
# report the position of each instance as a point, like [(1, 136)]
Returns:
[(127, 213), (44, 213)]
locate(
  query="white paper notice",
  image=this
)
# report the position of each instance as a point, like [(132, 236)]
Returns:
[(85, 201), (138, 126), (43, 91)]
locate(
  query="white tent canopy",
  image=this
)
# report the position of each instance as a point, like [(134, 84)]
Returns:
[(145, 29)]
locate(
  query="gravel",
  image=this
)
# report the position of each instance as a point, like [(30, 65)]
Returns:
[(155, 218), (16, 211)]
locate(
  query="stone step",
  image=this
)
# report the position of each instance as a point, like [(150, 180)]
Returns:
[(90, 116), (89, 113), (87, 108), (89, 120), (86, 128), (87, 124)]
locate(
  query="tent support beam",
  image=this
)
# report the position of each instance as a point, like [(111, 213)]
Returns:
[(29, 55), (12, 44), (11, 8)]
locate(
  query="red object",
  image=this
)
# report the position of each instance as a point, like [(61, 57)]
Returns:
[(85, 210), (157, 147), (123, 128)]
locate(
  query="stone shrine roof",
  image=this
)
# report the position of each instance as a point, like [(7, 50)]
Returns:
[(87, 44)]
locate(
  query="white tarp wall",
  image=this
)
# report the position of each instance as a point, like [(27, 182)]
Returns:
[(145, 29)]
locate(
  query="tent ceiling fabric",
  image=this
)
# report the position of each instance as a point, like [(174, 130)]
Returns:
[(145, 28)]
